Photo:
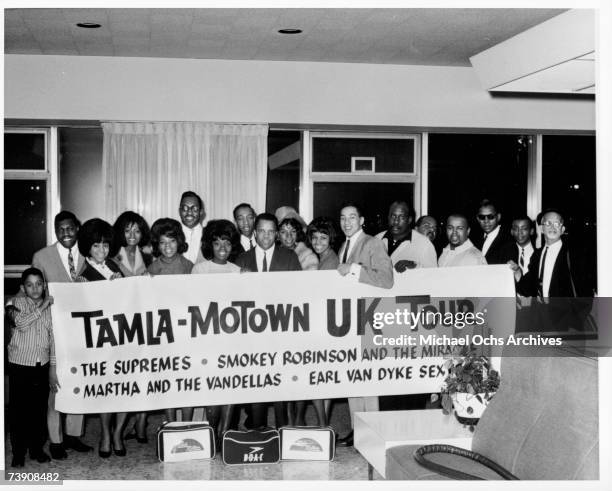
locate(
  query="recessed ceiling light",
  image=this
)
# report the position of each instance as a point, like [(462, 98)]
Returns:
[(89, 25), (290, 31)]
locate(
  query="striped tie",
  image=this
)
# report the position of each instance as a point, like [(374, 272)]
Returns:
[(71, 265)]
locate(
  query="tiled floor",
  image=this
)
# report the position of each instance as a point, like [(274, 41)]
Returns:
[(141, 462)]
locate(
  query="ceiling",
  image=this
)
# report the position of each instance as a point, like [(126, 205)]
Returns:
[(442, 37)]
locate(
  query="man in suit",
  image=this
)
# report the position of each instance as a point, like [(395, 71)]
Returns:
[(549, 273), (521, 248), (362, 256), (365, 259), (406, 249), (265, 257), (244, 216), (191, 212), (494, 237), (61, 262), (550, 279)]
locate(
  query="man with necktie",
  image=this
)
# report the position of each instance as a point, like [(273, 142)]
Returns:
[(521, 248), (550, 279), (266, 257), (62, 263), (365, 259), (244, 216)]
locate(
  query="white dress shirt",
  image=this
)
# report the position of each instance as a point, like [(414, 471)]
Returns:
[(551, 258), (63, 254), (193, 237), (489, 240), (259, 257), (526, 256), (247, 243)]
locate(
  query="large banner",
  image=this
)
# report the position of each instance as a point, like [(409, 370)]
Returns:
[(193, 340)]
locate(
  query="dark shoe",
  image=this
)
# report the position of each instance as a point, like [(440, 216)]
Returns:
[(40, 456), (120, 451), (105, 454), (57, 451), (347, 441), (76, 444), (133, 436), (18, 461)]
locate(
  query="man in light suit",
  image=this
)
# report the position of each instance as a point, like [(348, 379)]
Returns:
[(364, 258), (62, 263), (265, 257)]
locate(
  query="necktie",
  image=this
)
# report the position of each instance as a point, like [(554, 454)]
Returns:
[(71, 265), (485, 236), (252, 242), (265, 263), (522, 259), (541, 275), (345, 255)]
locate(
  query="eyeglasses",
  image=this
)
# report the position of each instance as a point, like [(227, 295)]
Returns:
[(550, 224), (186, 209), (490, 216)]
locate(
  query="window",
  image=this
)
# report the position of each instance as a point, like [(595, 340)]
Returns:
[(284, 162), (464, 169), (27, 199), (568, 184), (370, 169)]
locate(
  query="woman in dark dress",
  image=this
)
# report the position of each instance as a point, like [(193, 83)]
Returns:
[(95, 242)]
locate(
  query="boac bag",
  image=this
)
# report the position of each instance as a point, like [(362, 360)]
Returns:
[(307, 443), (251, 447)]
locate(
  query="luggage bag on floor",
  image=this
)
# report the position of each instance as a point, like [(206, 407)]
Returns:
[(187, 440), (307, 443), (251, 447)]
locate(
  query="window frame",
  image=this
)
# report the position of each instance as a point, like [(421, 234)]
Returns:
[(310, 177), (49, 174)]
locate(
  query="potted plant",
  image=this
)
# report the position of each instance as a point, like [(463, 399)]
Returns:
[(469, 385)]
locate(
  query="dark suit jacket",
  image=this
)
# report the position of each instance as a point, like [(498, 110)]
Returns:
[(282, 260), (49, 262), (495, 253), (91, 274), (560, 281)]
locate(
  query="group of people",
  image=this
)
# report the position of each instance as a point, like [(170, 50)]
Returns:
[(265, 242)]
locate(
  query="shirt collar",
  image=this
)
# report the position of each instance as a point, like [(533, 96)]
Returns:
[(493, 233), (554, 247), (353, 238), (63, 252), (462, 248), (389, 237)]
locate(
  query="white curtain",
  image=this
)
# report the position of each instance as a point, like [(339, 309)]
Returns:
[(147, 166)]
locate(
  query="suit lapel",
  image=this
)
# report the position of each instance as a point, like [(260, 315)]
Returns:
[(356, 251), (59, 265)]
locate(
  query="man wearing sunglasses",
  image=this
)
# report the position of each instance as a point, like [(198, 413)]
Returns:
[(493, 238)]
